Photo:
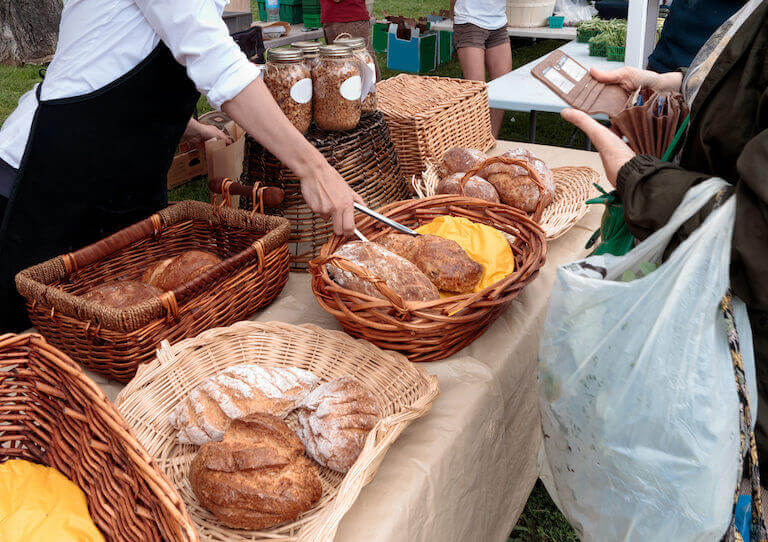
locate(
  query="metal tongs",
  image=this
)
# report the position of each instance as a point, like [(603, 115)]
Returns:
[(384, 220)]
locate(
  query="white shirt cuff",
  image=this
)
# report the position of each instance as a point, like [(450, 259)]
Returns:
[(232, 81)]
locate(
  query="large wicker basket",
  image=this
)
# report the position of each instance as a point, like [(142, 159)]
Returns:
[(365, 157), (115, 342), (403, 392), (433, 330), (52, 414), (429, 115)]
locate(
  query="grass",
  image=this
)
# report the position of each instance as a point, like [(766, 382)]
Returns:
[(541, 521)]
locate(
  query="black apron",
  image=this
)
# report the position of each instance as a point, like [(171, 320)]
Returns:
[(93, 164)]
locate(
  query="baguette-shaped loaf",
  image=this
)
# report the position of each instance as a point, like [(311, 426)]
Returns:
[(237, 392), (443, 261), (334, 420)]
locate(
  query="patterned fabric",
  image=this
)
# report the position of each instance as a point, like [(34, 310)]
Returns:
[(758, 531)]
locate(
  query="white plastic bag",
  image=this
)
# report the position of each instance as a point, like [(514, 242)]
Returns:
[(637, 393), (574, 11)]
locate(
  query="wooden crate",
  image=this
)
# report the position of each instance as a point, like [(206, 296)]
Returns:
[(187, 164)]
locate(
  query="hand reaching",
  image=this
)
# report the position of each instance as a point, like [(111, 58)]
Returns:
[(329, 195)]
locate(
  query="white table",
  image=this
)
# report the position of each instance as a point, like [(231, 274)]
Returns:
[(520, 91), (297, 33), (541, 32)]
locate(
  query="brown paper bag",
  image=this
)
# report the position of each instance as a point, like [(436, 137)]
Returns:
[(226, 160)]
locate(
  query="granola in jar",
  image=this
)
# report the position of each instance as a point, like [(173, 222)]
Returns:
[(368, 94), (337, 86), (311, 51), (290, 82)]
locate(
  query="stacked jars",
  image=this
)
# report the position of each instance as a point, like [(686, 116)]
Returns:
[(367, 66), (337, 89), (311, 51), (290, 82)]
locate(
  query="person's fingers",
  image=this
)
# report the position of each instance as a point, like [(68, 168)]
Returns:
[(348, 221), (600, 136), (606, 76), (338, 221), (358, 198)]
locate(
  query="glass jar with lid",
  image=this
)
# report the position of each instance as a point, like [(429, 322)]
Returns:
[(290, 82), (337, 85), (311, 51), (368, 93)]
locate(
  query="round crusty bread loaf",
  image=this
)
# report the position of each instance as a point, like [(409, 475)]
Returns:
[(475, 187), (119, 294), (460, 160), (334, 420), (257, 477), (403, 277), (516, 188), (170, 273)]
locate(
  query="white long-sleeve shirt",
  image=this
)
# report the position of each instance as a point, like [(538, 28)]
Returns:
[(101, 40)]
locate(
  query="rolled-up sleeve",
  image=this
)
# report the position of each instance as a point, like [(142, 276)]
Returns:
[(198, 38)]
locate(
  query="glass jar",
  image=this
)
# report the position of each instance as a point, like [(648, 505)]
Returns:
[(368, 93), (337, 85), (311, 51), (290, 82)]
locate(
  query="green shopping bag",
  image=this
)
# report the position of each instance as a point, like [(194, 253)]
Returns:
[(613, 233)]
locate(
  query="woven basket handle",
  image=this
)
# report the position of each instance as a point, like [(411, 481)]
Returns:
[(539, 211), (269, 196), (346, 265)]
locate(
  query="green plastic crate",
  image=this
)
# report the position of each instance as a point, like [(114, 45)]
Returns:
[(444, 46), (597, 49), (311, 21), (379, 37), (615, 53), (582, 36), (290, 11)]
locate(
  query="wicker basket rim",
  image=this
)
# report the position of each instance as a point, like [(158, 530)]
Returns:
[(444, 305), (471, 88), (34, 283)]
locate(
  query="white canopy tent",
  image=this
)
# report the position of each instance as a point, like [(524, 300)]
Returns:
[(641, 31)]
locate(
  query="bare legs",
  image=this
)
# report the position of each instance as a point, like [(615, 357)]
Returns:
[(497, 60)]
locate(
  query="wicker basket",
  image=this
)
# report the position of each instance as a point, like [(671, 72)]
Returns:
[(115, 342), (365, 158), (429, 115), (403, 392), (52, 414), (574, 186), (433, 330)]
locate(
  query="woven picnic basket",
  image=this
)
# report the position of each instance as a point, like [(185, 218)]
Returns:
[(428, 115), (365, 158), (114, 342), (402, 391), (54, 415), (574, 186), (431, 330)]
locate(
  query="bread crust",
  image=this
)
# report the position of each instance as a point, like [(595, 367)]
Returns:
[(460, 160), (171, 273), (257, 476), (119, 294), (475, 187)]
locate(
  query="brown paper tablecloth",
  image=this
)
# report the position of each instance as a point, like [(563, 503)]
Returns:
[(465, 470)]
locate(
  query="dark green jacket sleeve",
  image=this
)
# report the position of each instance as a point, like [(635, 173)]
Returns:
[(651, 190)]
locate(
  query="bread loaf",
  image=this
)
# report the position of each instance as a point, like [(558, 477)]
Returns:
[(400, 275), (460, 160), (170, 273), (257, 476), (119, 294), (514, 185), (334, 420), (517, 153), (236, 392), (443, 261), (475, 187)]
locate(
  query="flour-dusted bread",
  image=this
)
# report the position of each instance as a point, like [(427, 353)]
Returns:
[(443, 261), (334, 420), (460, 160), (514, 185), (236, 392), (257, 476), (400, 275), (170, 273), (475, 187), (119, 294)]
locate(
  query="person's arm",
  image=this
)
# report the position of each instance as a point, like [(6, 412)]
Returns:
[(197, 133), (634, 78), (199, 40)]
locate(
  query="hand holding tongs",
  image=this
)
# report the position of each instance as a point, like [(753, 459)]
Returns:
[(384, 220)]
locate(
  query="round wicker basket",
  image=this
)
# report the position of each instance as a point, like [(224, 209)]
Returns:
[(365, 157), (429, 331), (403, 392)]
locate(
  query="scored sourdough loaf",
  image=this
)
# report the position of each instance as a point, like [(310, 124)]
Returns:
[(257, 476), (475, 187), (442, 260), (334, 420), (514, 184), (460, 160), (170, 273), (119, 294), (236, 392), (403, 277)]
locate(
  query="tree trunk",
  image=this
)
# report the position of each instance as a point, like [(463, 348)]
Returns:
[(28, 30)]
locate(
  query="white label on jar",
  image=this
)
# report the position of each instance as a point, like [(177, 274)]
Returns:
[(301, 91), (352, 88), (371, 84)]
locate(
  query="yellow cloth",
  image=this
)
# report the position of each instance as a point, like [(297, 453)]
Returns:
[(484, 244), (39, 504)]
